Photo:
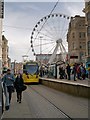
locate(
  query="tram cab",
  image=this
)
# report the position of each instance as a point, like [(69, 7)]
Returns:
[(31, 72)]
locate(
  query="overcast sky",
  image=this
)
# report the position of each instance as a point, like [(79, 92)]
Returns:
[(21, 17)]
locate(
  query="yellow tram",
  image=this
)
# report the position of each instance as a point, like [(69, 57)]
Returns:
[(31, 72)]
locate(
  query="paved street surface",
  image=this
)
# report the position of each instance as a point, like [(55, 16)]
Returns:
[(42, 102)]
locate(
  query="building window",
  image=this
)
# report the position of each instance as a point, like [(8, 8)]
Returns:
[(81, 55), (73, 46), (73, 35), (80, 46), (81, 34), (4, 42), (88, 30), (88, 16), (88, 47), (84, 45)]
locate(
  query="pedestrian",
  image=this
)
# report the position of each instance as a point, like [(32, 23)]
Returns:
[(68, 70), (75, 71), (8, 83), (79, 71), (61, 72), (83, 71), (18, 86)]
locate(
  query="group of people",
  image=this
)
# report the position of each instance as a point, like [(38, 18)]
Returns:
[(78, 71), (10, 83)]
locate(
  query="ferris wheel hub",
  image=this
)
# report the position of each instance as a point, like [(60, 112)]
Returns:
[(59, 41)]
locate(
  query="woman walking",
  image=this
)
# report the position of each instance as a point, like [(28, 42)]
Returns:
[(18, 86)]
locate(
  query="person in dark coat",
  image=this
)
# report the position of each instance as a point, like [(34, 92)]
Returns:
[(61, 72), (68, 70), (18, 86), (75, 71)]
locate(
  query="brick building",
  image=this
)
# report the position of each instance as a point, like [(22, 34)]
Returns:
[(76, 39)]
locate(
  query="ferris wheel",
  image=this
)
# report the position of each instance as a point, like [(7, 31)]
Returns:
[(49, 36)]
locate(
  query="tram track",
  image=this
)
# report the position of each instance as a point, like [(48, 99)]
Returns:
[(61, 111)]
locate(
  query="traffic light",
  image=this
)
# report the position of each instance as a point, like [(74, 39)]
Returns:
[(1, 9)]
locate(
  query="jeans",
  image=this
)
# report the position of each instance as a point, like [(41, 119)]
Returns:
[(9, 88), (19, 96)]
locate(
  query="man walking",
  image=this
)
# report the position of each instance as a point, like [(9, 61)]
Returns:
[(8, 81)]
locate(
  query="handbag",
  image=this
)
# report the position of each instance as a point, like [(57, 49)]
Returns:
[(24, 87)]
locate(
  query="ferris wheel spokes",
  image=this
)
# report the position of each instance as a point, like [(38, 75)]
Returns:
[(50, 31), (62, 51)]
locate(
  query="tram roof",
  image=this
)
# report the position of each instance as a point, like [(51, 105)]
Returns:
[(31, 61)]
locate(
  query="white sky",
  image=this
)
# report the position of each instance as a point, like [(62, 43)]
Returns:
[(25, 15)]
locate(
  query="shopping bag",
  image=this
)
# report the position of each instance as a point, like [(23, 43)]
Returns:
[(24, 87)]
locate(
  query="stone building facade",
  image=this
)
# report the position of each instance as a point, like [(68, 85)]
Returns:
[(17, 67), (87, 22), (0, 45), (76, 39), (4, 51), (1, 20)]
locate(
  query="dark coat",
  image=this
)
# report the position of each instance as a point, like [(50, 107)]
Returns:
[(68, 68), (18, 84)]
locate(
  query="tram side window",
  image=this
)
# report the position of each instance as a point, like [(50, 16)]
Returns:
[(24, 67), (88, 65)]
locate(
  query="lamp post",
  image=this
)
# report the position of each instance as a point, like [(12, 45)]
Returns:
[(40, 49)]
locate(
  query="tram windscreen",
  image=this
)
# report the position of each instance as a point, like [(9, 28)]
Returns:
[(32, 68)]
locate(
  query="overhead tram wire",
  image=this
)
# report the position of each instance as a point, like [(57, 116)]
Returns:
[(46, 19), (17, 27), (45, 22), (30, 28)]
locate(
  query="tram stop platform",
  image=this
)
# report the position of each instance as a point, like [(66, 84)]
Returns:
[(22, 110), (79, 88)]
